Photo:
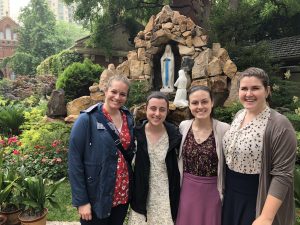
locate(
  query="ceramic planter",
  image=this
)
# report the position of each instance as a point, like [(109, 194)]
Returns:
[(2, 219), (25, 220), (12, 217)]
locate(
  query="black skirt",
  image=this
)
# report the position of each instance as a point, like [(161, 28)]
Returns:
[(240, 195)]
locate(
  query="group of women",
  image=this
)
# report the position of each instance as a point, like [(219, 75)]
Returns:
[(204, 173)]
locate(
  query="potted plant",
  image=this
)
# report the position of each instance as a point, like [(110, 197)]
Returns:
[(10, 190), (37, 191)]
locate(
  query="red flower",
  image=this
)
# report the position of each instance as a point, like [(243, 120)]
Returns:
[(13, 139), (44, 160), (16, 152), (59, 160), (55, 143), (2, 142)]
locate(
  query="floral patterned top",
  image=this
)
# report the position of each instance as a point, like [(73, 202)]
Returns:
[(243, 146), (122, 176), (200, 159)]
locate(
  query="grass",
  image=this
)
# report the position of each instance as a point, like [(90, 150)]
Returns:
[(67, 212)]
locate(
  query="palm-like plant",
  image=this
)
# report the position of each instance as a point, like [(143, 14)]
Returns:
[(11, 118), (37, 192)]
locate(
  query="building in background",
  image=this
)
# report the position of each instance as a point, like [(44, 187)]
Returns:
[(4, 8), (8, 42), (61, 10)]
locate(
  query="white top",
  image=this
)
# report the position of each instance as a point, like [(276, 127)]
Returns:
[(243, 146)]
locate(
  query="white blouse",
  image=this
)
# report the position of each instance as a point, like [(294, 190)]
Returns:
[(243, 146)]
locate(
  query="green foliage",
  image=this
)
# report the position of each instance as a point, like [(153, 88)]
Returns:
[(298, 148), (294, 119), (38, 132), (227, 114), (297, 185), (56, 64), (11, 119), (24, 63), (139, 91), (38, 191), (69, 213), (77, 78), (101, 15)]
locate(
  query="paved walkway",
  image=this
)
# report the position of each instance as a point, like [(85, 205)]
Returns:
[(62, 223)]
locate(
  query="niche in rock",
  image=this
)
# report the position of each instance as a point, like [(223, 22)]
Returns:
[(157, 80)]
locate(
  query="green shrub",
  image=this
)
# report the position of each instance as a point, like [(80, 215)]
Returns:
[(226, 114), (37, 131), (56, 64), (298, 148), (138, 92), (77, 78), (11, 119), (295, 120)]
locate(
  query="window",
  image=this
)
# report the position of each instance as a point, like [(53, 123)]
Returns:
[(7, 33)]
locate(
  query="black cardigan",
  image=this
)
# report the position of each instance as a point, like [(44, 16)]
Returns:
[(142, 170)]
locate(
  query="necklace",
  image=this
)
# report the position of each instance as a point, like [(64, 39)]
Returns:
[(201, 135)]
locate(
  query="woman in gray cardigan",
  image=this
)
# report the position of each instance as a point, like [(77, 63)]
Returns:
[(260, 152), (201, 162)]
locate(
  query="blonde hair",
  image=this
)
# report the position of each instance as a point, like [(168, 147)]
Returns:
[(118, 77)]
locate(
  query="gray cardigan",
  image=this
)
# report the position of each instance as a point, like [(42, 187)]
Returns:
[(277, 168), (219, 129)]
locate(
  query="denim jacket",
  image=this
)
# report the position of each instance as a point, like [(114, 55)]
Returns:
[(92, 161)]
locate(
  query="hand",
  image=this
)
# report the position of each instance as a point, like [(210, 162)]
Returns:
[(262, 221), (85, 211)]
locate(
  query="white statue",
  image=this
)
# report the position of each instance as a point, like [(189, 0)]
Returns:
[(167, 70), (181, 93)]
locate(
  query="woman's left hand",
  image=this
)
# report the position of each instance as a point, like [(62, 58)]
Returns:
[(262, 221)]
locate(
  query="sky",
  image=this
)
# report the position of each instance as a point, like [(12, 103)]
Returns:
[(15, 6)]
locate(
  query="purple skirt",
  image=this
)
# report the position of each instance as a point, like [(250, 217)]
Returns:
[(200, 202)]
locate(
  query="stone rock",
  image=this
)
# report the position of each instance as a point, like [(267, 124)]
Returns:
[(168, 26), (198, 42), (147, 69), (189, 41), (160, 37), (105, 75), (136, 68), (148, 36), (56, 104), (230, 68), (222, 54), (203, 82), (97, 96), (200, 64), (141, 35), (149, 26), (183, 26), (153, 50), (190, 24), (74, 107), (187, 63), (186, 34), (132, 55), (233, 91), (165, 15), (178, 18), (123, 69), (215, 49), (214, 67), (184, 50), (71, 118), (218, 84), (94, 88), (141, 54), (198, 31), (139, 43)]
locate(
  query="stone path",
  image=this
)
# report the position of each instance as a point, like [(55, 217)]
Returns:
[(62, 223)]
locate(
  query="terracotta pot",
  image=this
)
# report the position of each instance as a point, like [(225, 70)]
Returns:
[(12, 217), (33, 221), (3, 219)]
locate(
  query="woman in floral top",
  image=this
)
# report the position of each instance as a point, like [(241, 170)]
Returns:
[(99, 172), (201, 162)]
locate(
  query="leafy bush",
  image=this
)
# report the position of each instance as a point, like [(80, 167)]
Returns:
[(56, 64), (138, 92), (77, 78), (227, 114), (11, 119), (298, 148), (24, 63), (295, 120), (37, 131)]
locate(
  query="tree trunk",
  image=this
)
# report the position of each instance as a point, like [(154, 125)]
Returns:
[(197, 10)]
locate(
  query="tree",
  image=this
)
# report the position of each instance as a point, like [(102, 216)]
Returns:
[(37, 37)]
